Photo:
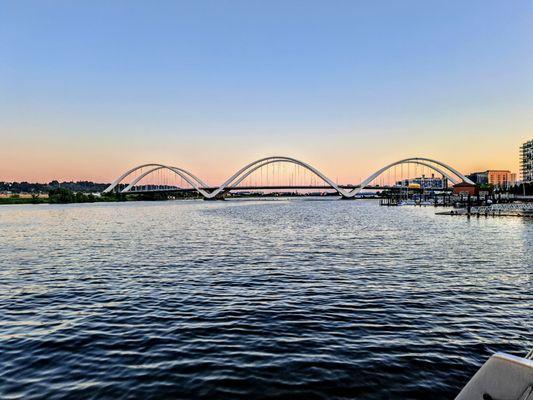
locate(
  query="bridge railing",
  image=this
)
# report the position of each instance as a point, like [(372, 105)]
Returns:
[(502, 208)]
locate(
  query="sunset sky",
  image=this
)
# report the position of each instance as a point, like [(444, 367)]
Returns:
[(91, 88)]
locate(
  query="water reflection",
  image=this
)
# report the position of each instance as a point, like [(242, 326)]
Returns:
[(256, 299)]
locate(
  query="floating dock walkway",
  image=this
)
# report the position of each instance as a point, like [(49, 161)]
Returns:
[(495, 210)]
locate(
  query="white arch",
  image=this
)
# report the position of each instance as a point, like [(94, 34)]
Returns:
[(234, 180), (425, 164), (140, 177), (248, 169), (199, 182), (179, 172), (326, 179), (136, 180), (412, 159), (275, 160)]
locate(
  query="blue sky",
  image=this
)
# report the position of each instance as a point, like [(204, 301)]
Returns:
[(88, 88)]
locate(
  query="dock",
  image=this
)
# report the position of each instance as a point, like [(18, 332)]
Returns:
[(495, 210)]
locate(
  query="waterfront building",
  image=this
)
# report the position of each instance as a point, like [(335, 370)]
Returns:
[(526, 161), (501, 178), (424, 182), (464, 188), (481, 178), (496, 177)]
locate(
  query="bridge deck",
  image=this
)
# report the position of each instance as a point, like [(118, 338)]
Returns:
[(252, 188)]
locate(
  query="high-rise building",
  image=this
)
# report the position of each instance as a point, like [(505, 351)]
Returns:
[(526, 161)]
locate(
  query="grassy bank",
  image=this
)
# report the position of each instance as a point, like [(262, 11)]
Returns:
[(65, 196), (61, 196), (15, 199)]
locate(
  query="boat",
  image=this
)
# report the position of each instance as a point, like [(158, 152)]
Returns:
[(502, 377)]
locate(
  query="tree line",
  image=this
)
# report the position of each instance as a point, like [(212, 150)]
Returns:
[(27, 187)]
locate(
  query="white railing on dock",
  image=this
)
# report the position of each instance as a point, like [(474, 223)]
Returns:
[(503, 208)]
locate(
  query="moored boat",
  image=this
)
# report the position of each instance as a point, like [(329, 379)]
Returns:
[(502, 377)]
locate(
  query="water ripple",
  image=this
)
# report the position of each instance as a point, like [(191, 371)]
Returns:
[(307, 299)]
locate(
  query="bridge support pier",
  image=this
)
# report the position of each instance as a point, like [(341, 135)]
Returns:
[(218, 197)]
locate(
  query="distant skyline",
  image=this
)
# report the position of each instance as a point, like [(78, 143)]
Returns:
[(90, 88)]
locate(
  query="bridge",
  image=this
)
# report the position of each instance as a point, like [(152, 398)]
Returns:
[(272, 173)]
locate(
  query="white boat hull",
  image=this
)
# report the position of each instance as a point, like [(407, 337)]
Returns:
[(502, 377)]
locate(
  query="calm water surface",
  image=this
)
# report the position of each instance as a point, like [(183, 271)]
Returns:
[(256, 299)]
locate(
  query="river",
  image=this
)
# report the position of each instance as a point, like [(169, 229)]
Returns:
[(306, 299)]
